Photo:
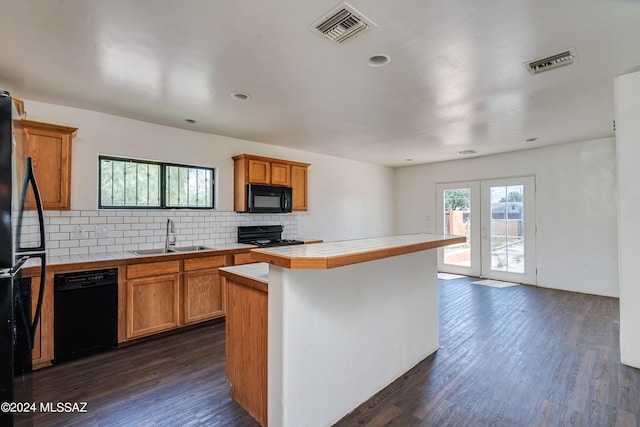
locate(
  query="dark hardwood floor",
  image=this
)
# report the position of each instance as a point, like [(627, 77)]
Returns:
[(517, 356), (176, 380)]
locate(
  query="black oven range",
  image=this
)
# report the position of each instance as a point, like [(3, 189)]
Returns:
[(264, 236)]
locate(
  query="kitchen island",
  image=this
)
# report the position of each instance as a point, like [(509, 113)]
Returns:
[(343, 320)]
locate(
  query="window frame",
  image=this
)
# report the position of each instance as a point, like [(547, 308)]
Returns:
[(163, 183)]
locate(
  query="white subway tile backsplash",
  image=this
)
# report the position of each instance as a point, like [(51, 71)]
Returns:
[(58, 220), (89, 232), (79, 220), (59, 252)]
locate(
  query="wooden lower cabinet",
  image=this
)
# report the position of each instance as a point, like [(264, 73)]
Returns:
[(246, 348), (42, 352), (152, 305), (203, 289), (166, 295), (153, 298)]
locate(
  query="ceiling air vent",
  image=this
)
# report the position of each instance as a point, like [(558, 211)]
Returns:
[(552, 62), (341, 23)]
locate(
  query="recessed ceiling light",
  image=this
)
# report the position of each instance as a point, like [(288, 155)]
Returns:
[(240, 96), (531, 139), (190, 121), (467, 152), (378, 60)]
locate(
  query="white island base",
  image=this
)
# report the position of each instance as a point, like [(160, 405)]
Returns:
[(337, 336)]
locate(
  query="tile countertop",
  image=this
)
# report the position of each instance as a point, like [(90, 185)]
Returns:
[(118, 256), (258, 271), (341, 253)]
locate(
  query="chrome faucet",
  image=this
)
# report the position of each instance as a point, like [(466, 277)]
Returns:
[(171, 229)]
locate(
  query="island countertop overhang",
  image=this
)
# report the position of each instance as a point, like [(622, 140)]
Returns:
[(322, 256)]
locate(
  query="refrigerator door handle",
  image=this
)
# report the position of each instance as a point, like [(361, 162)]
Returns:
[(23, 253), (19, 263), (29, 325), (30, 178)]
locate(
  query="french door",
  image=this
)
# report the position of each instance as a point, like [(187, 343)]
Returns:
[(498, 218)]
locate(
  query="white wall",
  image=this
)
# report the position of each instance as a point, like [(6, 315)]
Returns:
[(575, 207), (627, 139), (338, 336), (347, 199)]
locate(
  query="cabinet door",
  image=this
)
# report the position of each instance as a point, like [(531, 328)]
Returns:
[(281, 174), (42, 352), (299, 188), (246, 351), (50, 148), (202, 295), (259, 172), (152, 304), (36, 353)]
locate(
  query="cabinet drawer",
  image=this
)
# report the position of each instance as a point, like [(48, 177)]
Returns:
[(204, 262), (152, 269), (245, 258)]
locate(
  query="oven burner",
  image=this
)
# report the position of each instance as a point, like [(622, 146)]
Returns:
[(264, 236)]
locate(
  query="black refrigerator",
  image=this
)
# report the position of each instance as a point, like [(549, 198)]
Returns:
[(22, 243)]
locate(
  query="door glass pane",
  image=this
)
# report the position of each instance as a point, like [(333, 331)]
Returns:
[(457, 220), (507, 228)]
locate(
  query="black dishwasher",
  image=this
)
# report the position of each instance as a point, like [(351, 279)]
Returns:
[(85, 313)]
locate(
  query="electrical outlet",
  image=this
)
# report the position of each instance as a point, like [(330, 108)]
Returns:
[(79, 232), (102, 232)]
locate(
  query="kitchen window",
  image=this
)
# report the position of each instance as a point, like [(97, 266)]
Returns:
[(132, 183)]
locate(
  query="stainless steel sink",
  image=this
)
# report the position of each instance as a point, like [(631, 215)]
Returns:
[(191, 248), (160, 251), (171, 250)]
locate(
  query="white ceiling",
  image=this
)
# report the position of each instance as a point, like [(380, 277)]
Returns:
[(456, 80)]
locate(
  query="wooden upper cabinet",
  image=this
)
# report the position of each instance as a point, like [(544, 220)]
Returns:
[(250, 169), (299, 184), (259, 172), (50, 148), (280, 174)]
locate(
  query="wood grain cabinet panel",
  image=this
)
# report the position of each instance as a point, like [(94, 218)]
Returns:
[(246, 348), (203, 290), (42, 352), (153, 298), (259, 172), (49, 146), (299, 182), (152, 269), (242, 258), (152, 304), (203, 299), (280, 174), (36, 353)]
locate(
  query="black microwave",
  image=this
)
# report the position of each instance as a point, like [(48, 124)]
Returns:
[(268, 199)]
